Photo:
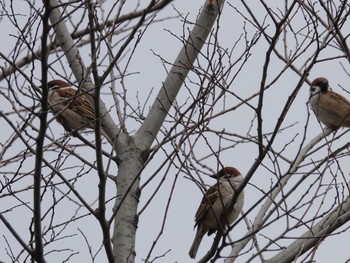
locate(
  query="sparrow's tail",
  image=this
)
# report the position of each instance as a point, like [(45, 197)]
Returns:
[(196, 242)]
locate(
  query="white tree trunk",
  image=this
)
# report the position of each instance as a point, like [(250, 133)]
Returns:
[(131, 160)]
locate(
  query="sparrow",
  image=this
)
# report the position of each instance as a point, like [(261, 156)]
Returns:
[(330, 108), (74, 110), (215, 212)]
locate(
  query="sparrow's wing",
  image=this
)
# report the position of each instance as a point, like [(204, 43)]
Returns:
[(77, 103), (208, 200), (336, 107)]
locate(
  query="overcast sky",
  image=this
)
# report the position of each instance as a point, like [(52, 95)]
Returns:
[(178, 232)]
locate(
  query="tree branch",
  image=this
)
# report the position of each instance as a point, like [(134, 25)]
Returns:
[(177, 75), (334, 220), (261, 217), (77, 65)]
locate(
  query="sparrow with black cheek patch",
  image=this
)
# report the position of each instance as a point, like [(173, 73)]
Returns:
[(74, 110), (330, 108), (215, 212)]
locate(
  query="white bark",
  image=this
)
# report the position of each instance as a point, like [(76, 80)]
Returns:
[(132, 159), (77, 65), (126, 221), (182, 65), (131, 152)]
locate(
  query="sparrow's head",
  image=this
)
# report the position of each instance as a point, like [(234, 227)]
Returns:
[(57, 84), (319, 85), (227, 173)]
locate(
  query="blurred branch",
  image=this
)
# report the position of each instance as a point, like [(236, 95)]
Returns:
[(39, 151)]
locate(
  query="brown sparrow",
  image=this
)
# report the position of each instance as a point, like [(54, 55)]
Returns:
[(74, 110), (331, 108), (214, 212)]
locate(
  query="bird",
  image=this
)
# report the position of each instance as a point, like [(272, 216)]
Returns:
[(71, 108), (330, 108), (215, 211)]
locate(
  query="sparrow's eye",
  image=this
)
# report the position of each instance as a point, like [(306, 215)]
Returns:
[(312, 89)]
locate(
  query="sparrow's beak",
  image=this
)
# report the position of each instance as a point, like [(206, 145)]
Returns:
[(215, 176)]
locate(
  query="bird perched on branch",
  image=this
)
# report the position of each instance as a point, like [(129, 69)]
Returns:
[(73, 109), (330, 108), (216, 210)]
